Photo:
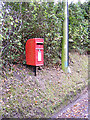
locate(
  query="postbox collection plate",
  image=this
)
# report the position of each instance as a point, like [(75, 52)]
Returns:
[(39, 55)]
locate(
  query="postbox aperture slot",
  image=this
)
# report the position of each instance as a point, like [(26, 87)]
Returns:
[(40, 43)]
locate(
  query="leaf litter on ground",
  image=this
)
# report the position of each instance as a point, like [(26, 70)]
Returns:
[(26, 95)]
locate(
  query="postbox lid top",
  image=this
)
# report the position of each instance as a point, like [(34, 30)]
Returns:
[(37, 39)]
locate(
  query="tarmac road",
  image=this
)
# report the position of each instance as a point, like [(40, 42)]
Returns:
[(77, 109)]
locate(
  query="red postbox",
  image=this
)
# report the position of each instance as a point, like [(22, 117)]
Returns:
[(35, 52)]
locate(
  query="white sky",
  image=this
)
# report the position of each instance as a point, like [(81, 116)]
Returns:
[(75, 1)]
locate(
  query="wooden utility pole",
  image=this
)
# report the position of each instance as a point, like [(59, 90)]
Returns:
[(65, 55)]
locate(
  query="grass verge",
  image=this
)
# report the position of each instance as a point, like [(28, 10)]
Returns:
[(24, 95)]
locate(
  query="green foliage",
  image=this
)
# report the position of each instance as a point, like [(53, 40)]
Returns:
[(78, 26), (22, 21)]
